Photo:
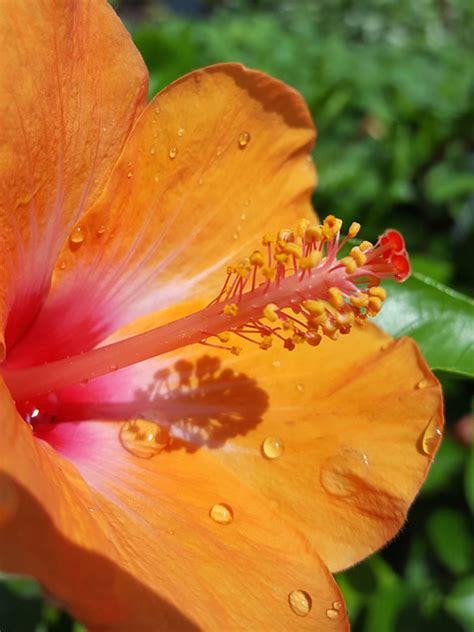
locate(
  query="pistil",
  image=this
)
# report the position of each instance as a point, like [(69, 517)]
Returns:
[(295, 294)]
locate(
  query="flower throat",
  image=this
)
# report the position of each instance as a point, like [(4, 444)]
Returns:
[(293, 291)]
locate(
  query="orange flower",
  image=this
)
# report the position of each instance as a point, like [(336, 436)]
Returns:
[(200, 489)]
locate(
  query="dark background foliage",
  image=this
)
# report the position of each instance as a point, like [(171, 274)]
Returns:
[(391, 85)]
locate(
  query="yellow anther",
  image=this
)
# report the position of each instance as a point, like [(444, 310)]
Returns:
[(268, 238), (281, 257), (287, 324), (270, 312), (224, 336), (345, 318), (236, 350), (374, 306), (311, 261), (244, 267), (317, 319), (313, 339), (285, 234), (331, 226), (350, 264), (379, 292), (257, 258), (302, 227), (365, 245), (358, 256), (266, 343), (359, 300), (354, 229), (292, 249), (230, 269), (335, 297), (231, 309), (313, 233), (268, 273), (314, 307)]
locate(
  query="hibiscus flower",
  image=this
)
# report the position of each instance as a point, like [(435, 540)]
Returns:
[(165, 461)]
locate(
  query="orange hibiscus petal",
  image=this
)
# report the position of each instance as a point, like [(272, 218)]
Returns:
[(72, 84), (139, 535), (358, 422), (216, 160)]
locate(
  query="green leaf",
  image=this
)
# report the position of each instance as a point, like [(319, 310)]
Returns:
[(460, 602), (449, 534), (438, 318)]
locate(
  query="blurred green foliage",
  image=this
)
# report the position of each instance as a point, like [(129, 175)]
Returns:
[(391, 85)]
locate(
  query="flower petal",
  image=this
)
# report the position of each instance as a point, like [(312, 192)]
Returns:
[(139, 536), (72, 84), (190, 192), (360, 420)]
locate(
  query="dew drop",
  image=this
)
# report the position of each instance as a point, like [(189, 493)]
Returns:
[(385, 346), (77, 236), (244, 140), (200, 181), (243, 217), (173, 152), (300, 387), (300, 602), (129, 174), (431, 436), (276, 364), (101, 229), (235, 236), (156, 178), (62, 265), (157, 109), (144, 438), (181, 132), (337, 605), (423, 383), (272, 447), (152, 151), (222, 514), (332, 614), (342, 473), (104, 129)]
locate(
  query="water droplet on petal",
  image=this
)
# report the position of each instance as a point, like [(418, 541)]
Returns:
[(243, 217), (156, 179), (342, 473), (181, 132), (129, 174), (300, 387), (332, 614), (276, 364), (385, 346), (144, 438), (222, 514), (173, 152), (431, 436), (300, 602), (423, 383), (101, 229), (152, 151), (272, 447), (337, 605), (77, 236), (235, 236), (62, 265), (244, 140), (157, 109), (200, 181)]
